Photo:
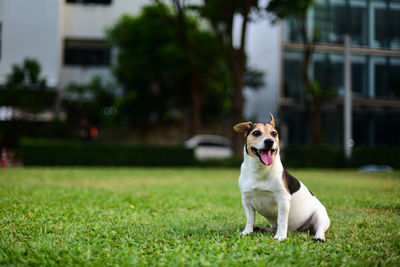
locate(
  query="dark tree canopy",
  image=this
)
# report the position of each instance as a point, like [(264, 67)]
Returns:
[(153, 67), (284, 8), (26, 75)]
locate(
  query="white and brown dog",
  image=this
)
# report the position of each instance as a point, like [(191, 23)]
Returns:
[(270, 190)]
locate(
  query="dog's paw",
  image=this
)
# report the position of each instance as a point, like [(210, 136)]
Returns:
[(280, 237), (246, 232), (319, 239)]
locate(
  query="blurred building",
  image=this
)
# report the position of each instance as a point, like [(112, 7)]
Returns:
[(374, 26), (67, 38)]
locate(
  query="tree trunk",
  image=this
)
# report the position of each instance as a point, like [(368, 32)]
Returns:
[(237, 70), (312, 99), (238, 67), (196, 104), (193, 79)]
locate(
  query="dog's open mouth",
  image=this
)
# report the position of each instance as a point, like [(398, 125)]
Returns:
[(265, 155)]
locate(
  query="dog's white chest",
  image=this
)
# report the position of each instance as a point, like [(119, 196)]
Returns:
[(263, 202)]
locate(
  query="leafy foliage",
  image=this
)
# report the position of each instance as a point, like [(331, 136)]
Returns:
[(90, 101), (152, 65), (285, 8), (75, 153), (26, 75), (25, 89)]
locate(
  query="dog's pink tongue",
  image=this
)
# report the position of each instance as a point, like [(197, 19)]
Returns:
[(266, 157)]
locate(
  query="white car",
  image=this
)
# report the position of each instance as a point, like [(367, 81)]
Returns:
[(210, 147)]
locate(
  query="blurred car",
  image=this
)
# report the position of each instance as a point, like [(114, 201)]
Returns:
[(210, 146)]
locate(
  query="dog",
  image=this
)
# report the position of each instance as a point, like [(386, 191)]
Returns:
[(266, 187)]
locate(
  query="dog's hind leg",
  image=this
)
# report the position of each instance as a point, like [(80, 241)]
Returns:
[(320, 223)]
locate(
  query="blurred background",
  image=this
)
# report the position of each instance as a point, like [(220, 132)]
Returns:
[(161, 83)]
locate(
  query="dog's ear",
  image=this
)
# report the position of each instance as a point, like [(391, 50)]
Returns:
[(242, 127), (272, 122)]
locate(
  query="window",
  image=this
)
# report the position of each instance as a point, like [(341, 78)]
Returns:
[(292, 30), (387, 27), (328, 71), (372, 76), (293, 82), (101, 2), (332, 21), (86, 53), (387, 79), (359, 79)]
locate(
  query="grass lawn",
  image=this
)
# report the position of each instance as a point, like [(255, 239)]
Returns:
[(186, 216)]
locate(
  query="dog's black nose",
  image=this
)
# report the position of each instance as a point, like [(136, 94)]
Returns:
[(268, 143)]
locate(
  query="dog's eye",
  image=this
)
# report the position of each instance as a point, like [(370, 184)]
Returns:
[(274, 134), (256, 133)]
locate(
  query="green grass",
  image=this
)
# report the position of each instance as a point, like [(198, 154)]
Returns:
[(186, 216)]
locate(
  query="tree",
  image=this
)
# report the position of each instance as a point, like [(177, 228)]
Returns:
[(297, 9), (93, 101), (26, 90), (220, 14), (26, 75), (165, 63)]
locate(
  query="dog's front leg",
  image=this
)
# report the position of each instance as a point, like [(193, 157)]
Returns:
[(250, 216), (283, 201)]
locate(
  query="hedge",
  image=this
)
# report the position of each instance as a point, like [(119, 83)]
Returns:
[(27, 98), (333, 156), (75, 153), (306, 156)]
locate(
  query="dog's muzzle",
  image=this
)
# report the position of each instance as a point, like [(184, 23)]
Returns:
[(265, 154)]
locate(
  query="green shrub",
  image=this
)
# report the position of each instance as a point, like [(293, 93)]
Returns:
[(75, 153), (313, 156), (333, 156), (33, 100), (376, 155)]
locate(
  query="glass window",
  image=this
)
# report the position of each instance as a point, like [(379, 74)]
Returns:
[(294, 33), (327, 69), (293, 84), (323, 23), (359, 79), (329, 73), (103, 2), (387, 27), (387, 79), (86, 53), (332, 21)]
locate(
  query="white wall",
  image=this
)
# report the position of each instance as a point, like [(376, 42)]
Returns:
[(88, 21), (264, 53), (31, 29)]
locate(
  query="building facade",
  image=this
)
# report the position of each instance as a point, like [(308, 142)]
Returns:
[(67, 37), (374, 27)]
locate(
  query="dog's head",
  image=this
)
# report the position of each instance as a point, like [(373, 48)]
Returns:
[(262, 140)]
